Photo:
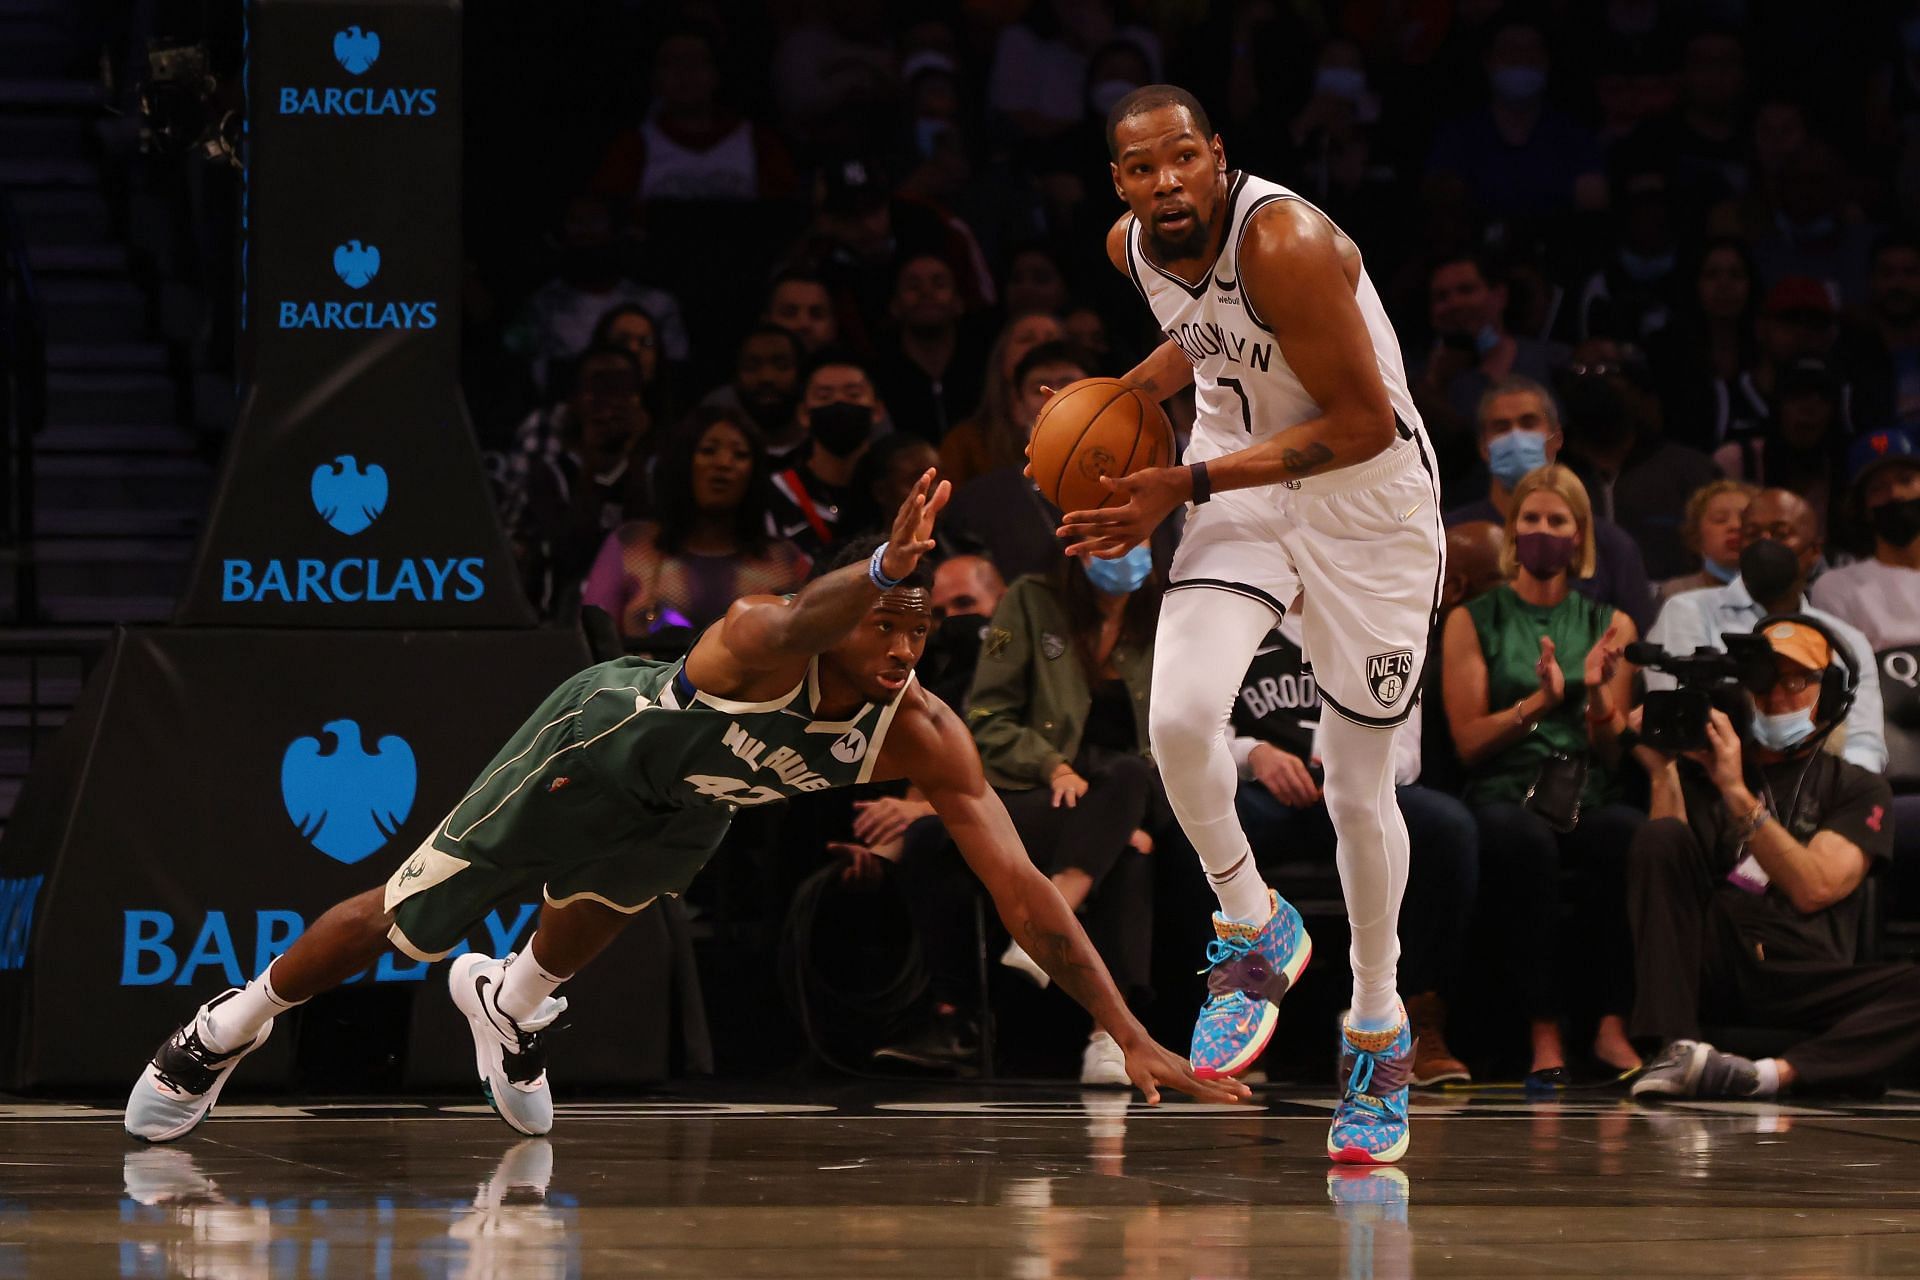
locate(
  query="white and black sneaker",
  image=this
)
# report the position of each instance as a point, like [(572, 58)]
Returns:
[(510, 1056), (1695, 1069), (184, 1079)]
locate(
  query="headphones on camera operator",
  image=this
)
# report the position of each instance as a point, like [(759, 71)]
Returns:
[(1839, 683)]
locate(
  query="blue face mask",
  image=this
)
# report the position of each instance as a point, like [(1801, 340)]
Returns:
[(1782, 733), (1720, 572), (1514, 454), (1122, 576), (1518, 84)]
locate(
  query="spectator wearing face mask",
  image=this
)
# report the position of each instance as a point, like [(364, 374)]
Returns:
[(1519, 430), (966, 591), (1472, 350), (1631, 298), (1711, 528), (816, 503), (1519, 156), (1881, 596), (1536, 694), (1780, 543)]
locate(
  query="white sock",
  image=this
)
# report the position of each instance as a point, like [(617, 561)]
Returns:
[(1372, 855), (237, 1021), (1204, 644), (1769, 1071), (525, 984)]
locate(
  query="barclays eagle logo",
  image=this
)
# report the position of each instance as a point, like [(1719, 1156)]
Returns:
[(346, 803), (356, 49), (356, 264), (346, 497)]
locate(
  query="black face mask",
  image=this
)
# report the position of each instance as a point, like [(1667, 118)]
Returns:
[(1769, 569), (840, 428), (1897, 523)]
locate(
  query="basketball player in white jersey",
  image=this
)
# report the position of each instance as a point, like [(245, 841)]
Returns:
[(1312, 489)]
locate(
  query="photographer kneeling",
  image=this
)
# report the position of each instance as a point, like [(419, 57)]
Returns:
[(1744, 892)]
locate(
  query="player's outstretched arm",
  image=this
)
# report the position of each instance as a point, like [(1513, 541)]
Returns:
[(932, 748), (761, 630)]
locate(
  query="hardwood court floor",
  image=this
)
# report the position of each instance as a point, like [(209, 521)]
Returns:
[(947, 1182)]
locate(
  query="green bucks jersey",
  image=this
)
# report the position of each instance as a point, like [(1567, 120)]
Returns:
[(650, 734)]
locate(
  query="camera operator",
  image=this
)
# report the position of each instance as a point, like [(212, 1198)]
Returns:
[(1744, 893), (1780, 543)]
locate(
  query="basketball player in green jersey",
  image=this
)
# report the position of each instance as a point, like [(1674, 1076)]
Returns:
[(619, 789)]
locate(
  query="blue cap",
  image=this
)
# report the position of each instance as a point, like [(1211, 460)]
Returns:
[(1876, 448)]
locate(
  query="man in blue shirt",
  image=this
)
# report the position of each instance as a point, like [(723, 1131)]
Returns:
[(1779, 545)]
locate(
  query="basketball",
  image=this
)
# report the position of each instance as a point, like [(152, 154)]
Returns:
[(1096, 427)]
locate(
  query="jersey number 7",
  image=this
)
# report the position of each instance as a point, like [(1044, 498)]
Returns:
[(1246, 410)]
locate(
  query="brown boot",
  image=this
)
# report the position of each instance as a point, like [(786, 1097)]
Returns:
[(1433, 1062)]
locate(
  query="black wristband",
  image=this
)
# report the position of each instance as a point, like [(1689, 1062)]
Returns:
[(1202, 487)]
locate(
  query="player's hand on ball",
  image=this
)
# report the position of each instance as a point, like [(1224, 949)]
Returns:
[(1151, 496), (1150, 1065), (912, 535), (1285, 775), (1068, 787)]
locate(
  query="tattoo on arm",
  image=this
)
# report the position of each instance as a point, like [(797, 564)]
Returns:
[(1300, 461)]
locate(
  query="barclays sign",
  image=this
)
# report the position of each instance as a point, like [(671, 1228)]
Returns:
[(356, 264), (356, 51), (349, 801), (350, 497)]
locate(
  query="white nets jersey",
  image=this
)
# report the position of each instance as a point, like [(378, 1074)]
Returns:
[(1357, 551), (1243, 385)]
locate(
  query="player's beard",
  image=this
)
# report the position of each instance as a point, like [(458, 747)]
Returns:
[(1190, 243)]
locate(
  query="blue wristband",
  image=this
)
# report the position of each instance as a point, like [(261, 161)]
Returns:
[(876, 575)]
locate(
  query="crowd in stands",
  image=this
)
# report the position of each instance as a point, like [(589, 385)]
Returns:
[(1654, 269)]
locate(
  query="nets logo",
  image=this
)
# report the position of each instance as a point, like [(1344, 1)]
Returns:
[(356, 51), (356, 264), (350, 498), (348, 802), (346, 497), (1387, 675)]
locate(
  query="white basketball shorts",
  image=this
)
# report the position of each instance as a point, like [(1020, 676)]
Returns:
[(1358, 552)]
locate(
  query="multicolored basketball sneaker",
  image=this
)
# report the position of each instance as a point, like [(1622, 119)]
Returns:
[(1249, 969), (1370, 1124)]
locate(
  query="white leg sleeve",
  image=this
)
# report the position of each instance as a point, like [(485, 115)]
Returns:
[(1204, 645), (1372, 857)]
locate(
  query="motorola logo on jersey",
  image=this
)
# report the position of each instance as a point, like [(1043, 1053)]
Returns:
[(356, 50), (347, 801), (347, 497), (356, 264)]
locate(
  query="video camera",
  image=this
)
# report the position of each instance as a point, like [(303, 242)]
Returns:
[(1675, 720)]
